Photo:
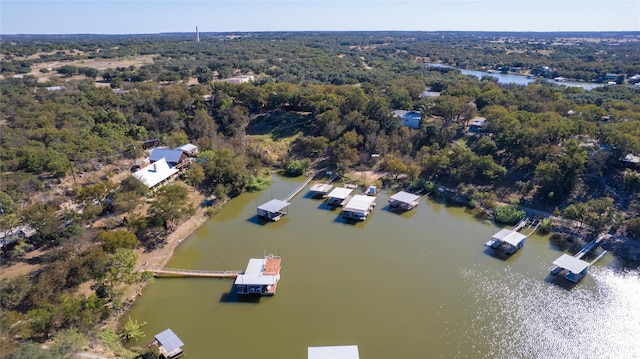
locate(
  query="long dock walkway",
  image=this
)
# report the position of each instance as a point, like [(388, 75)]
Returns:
[(586, 249), (300, 188), (173, 272)]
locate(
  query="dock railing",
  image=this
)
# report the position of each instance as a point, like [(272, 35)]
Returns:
[(174, 272)]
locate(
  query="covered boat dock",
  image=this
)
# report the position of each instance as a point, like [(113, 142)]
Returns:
[(333, 352), (507, 239), (169, 345), (321, 189), (339, 196), (404, 200), (358, 207), (576, 268), (273, 210), (260, 277)]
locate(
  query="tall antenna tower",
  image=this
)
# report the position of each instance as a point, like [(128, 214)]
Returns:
[(197, 35)]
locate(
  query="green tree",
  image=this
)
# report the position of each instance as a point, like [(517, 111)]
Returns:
[(113, 240), (132, 330), (120, 272), (171, 204)]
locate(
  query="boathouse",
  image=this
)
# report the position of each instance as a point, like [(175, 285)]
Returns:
[(358, 207), (273, 210), (404, 200), (333, 352), (320, 189), (339, 196), (169, 345), (575, 268), (260, 277), (508, 240)]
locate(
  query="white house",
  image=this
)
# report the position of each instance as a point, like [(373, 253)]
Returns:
[(155, 173), (409, 118)]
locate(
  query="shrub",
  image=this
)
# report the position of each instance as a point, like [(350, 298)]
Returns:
[(296, 168), (545, 226), (509, 214)]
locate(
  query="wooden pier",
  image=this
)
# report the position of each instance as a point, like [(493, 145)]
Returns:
[(300, 188), (173, 272), (575, 275)]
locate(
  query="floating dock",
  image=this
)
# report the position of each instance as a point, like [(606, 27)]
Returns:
[(321, 189), (574, 267), (333, 352), (358, 207), (404, 201), (339, 196), (273, 210), (169, 345), (260, 277), (510, 240)]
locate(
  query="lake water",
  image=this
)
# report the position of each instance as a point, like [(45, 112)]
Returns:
[(518, 79), (416, 285)]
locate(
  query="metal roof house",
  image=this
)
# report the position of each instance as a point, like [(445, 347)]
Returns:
[(260, 277), (273, 210), (358, 207), (508, 240), (169, 344), (339, 196), (575, 268), (333, 352), (409, 118), (176, 158), (156, 173), (404, 200), (189, 149)]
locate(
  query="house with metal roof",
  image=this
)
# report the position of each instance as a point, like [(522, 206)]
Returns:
[(333, 352), (273, 210), (575, 268), (189, 149), (176, 158), (339, 196), (508, 240), (404, 201), (409, 118), (358, 207), (260, 277), (169, 345), (156, 173)]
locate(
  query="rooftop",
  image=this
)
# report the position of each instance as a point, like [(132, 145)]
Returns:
[(155, 173), (170, 155), (333, 352), (187, 148), (321, 187), (273, 206), (359, 203), (261, 271), (572, 264), (340, 192), (509, 236), (169, 340), (404, 197)]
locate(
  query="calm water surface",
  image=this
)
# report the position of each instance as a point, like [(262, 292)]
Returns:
[(417, 285), (506, 79)]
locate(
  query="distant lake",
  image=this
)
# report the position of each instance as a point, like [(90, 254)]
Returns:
[(505, 79)]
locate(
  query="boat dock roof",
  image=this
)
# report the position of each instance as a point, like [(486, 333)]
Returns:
[(340, 192), (169, 340), (333, 352), (274, 206), (359, 203), (321, 187), (509, 236), (261, 271), (404, 197), (572, 264)]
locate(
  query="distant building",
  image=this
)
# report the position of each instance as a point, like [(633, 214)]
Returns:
[(149, 144), (427, 94), (56, 88), (410, 119), (243, 79)]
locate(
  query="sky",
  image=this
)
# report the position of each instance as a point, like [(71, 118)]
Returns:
[(157, 16)]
